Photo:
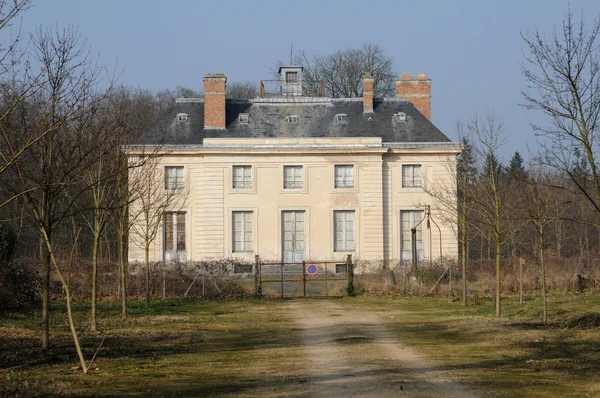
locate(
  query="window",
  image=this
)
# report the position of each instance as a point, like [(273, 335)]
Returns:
[(182, 117), (243, 118), (242, 231), (340, 268), (400, 116), (242, 177), (344, 231), (174, 177), (341, 118), (408, 219), (292, 177), (292, 119), (291, 77), (411, 176), (174, 236), (344, 176), (242, 268)]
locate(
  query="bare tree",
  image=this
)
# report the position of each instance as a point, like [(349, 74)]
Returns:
[(61, 111), (563, 73), (542, 204), (492, 198), (344, 70), (243, 90), (154, 197), (454, 196)]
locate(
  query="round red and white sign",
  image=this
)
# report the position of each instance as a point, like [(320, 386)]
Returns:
[(312, 269)]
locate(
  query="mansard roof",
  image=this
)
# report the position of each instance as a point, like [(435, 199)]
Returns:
[(268, 118)]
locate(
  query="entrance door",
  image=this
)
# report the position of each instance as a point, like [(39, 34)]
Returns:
[(293, 236)]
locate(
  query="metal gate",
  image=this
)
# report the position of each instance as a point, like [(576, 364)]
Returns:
[(294, 279)]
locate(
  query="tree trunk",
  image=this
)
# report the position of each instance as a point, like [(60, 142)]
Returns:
[(123, 266), (463, 245), (543, 269), (46, 298), (147, 276), (94, 279), (498, 247)]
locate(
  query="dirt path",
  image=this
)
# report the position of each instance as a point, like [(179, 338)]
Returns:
[(351, 354)]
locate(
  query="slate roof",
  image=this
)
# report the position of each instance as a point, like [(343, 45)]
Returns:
[(315, 119)]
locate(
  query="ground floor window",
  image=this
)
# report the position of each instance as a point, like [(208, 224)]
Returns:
[(343, 222), (174, 236), (242, 231), (408, 219)]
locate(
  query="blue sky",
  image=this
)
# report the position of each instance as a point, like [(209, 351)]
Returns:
[(471, 49)]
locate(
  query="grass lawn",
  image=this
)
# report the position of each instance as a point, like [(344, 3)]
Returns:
[(252, 347), (510, 357)]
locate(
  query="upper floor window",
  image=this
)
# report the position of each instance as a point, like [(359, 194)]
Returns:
[(174, 177), (292, 177), (182, 117), (242, 176), (344, 176), (291, 77), (411, 176), (292, 119)]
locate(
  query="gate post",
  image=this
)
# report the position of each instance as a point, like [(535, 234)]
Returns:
[(257, 276), (282, 279), (304, 276), (350, 273)]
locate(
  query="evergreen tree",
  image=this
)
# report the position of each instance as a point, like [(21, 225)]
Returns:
[(492, 165), (516, 168)]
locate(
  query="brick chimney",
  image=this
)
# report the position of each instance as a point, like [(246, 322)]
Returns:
[(417, 90), (214, 101), (368, 82)]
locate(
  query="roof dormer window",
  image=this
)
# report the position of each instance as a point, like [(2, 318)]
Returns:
[(292, 119), (291, 77), (400, 116), (243, 118), (182, 117), (341, 118)]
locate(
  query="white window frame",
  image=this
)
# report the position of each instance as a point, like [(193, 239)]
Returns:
[(400, 116), (412, 176), (182, 117), (346, 179), (246, 178), (406, 252), (292, 119), (178, 228), (346, 234), (297, 178), (244, 118), (341, 118), (245, 221), (294, 80), (176, 181)]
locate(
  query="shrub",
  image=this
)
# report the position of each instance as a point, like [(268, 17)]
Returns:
[(20, 287)]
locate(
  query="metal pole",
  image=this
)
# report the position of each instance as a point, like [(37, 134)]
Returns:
[(282, 279), (256, 284), (450, 279), (413, 243), (521, 262), (304, 276), (164, 281), (325, 279), (260, 284)]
